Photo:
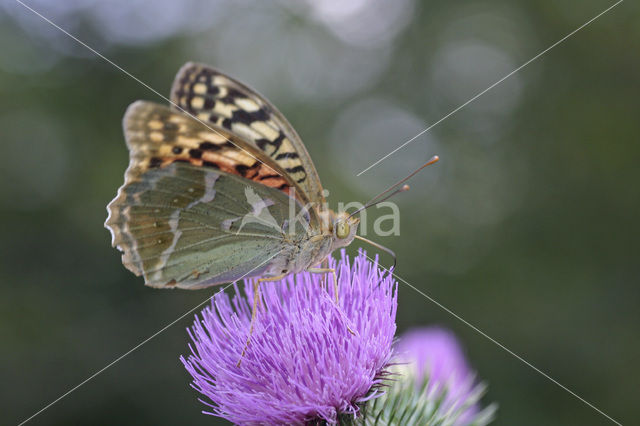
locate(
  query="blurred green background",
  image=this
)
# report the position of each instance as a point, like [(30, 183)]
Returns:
[(527, 228)]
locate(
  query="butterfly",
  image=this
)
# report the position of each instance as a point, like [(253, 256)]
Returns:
[(219, 187)]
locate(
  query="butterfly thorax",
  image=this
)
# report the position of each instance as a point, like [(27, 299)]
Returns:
[(337, 230)]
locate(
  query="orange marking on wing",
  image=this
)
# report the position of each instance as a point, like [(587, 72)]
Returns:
[(259, 172), (274, 182), (225, 163)]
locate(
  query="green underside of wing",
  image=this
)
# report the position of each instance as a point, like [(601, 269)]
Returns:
[(190, 227)]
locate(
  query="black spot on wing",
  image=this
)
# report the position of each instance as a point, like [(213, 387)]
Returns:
[(195, 153), (187, 105), (202, 75), (287, 155), (169, 126), (209, 103), (269, 176), (246, 117), (232, 95), (190, 78), (276, 143), (155, 162), (241, 169), (176, 150), (207, 71), (295, 169), (184, 80), (209, 146), (262, 143)]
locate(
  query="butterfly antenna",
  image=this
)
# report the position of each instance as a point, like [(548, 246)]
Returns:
[(393, 189), (380, 246)]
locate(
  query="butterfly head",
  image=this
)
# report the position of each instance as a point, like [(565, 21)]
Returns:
[(344, 229)]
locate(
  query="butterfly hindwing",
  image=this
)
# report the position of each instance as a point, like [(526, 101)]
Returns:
[(225, 103), (188, 226)]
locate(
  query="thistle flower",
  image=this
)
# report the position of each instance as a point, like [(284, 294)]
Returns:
[(434, 385), (308, 360), (436, 353)]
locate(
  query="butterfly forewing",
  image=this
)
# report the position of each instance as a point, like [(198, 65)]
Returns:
[(157, 135), (225, 103)]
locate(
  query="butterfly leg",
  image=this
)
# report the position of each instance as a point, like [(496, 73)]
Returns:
[(254, 310), (335, 285), (335, 278)]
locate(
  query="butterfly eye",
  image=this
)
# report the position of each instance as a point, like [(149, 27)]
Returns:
[(342, 230)]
